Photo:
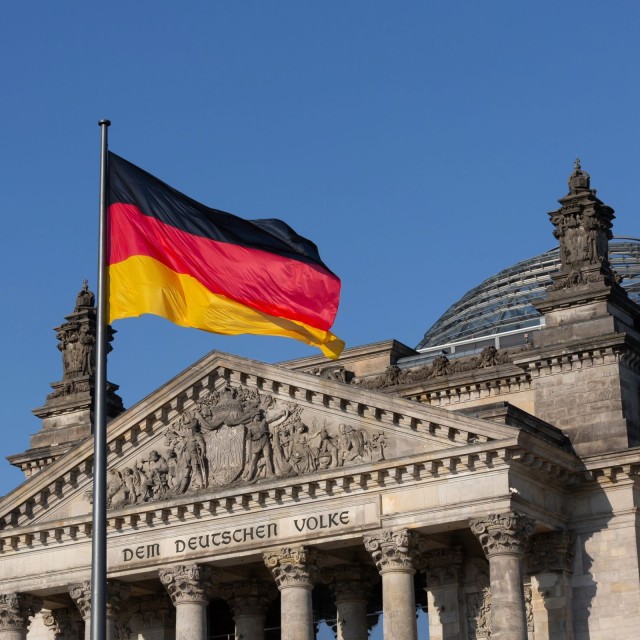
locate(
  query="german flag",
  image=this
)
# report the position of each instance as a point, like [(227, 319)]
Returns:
[(171, 256)]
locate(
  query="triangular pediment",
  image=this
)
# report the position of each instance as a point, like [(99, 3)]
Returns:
[(230, 423)]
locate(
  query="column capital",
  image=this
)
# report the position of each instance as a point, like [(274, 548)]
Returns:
[(395, 550), (81, 594), (248, 597), (294, 566), (64, 622), (189, 582), (443, 567), (552, 551), (503, 533), (117, 595), (15, 610), (351, 582)]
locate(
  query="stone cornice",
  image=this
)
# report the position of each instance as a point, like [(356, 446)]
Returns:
[(454, 388), (132, 429), (582, 353), (523, 450)]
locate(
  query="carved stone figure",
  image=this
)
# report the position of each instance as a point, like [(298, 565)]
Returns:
[(239, 435), (583, 228)]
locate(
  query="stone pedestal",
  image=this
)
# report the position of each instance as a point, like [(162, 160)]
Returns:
[(550, 566), (351, 588), (295, 570), (117, 594), (249, 602), (396, 554), (503, 539), (189, 587), (15, 611), (443, 572)]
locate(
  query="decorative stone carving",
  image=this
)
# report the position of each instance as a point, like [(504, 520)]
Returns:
[(503, 533), (339, 374), (442, 366), (145, 612), (528, 608), (443, 567), (553, 551), (189, 583), (81, 594), (238, 435), (64, 623), (293, 566), (349, 582), (583, 228), (250, 597), (399, 550), (15, 610), (479, 609), (76, 343), (117, 594)]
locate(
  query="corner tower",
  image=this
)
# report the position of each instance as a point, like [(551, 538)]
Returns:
[(586, 358), (67, 412)]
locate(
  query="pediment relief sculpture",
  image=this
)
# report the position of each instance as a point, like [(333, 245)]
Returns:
[(238, 435)]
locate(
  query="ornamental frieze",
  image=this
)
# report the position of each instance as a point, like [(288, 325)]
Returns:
[(238, 435), (441, 366)]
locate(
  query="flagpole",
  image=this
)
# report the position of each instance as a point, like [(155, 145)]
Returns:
[(99, 531)]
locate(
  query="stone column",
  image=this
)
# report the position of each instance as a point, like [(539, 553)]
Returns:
[(249, 601), (65, 623), (152, 617), (295, 569), (15, 611), (396, 554), (503, 538), (189, 587), (351, 588), (550, 567), (117, 594), (443, 573)]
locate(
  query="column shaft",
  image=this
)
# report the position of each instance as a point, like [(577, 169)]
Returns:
[(191, 620), (507, 598), (189, 586), (297, 613), (397, 554), (295, 569), (352, 619), (250, 627), (503, 538), (444, 612), (399, 605)]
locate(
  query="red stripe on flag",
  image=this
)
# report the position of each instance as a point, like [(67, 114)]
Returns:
[(264, 281)]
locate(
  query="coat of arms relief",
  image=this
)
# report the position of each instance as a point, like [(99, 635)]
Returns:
[(237, 435)]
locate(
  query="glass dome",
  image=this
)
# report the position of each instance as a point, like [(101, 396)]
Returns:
[(502, 304)]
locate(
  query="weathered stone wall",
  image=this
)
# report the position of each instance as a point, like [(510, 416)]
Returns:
[(606, 576)]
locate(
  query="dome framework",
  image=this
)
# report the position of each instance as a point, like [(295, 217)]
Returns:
[(502, 305)]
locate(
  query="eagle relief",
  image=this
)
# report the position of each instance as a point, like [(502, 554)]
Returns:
[(236, 435)]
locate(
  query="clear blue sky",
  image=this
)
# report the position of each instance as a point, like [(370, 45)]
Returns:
[(419, 144)]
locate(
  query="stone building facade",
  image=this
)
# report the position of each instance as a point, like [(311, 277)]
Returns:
[(500, 490)]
